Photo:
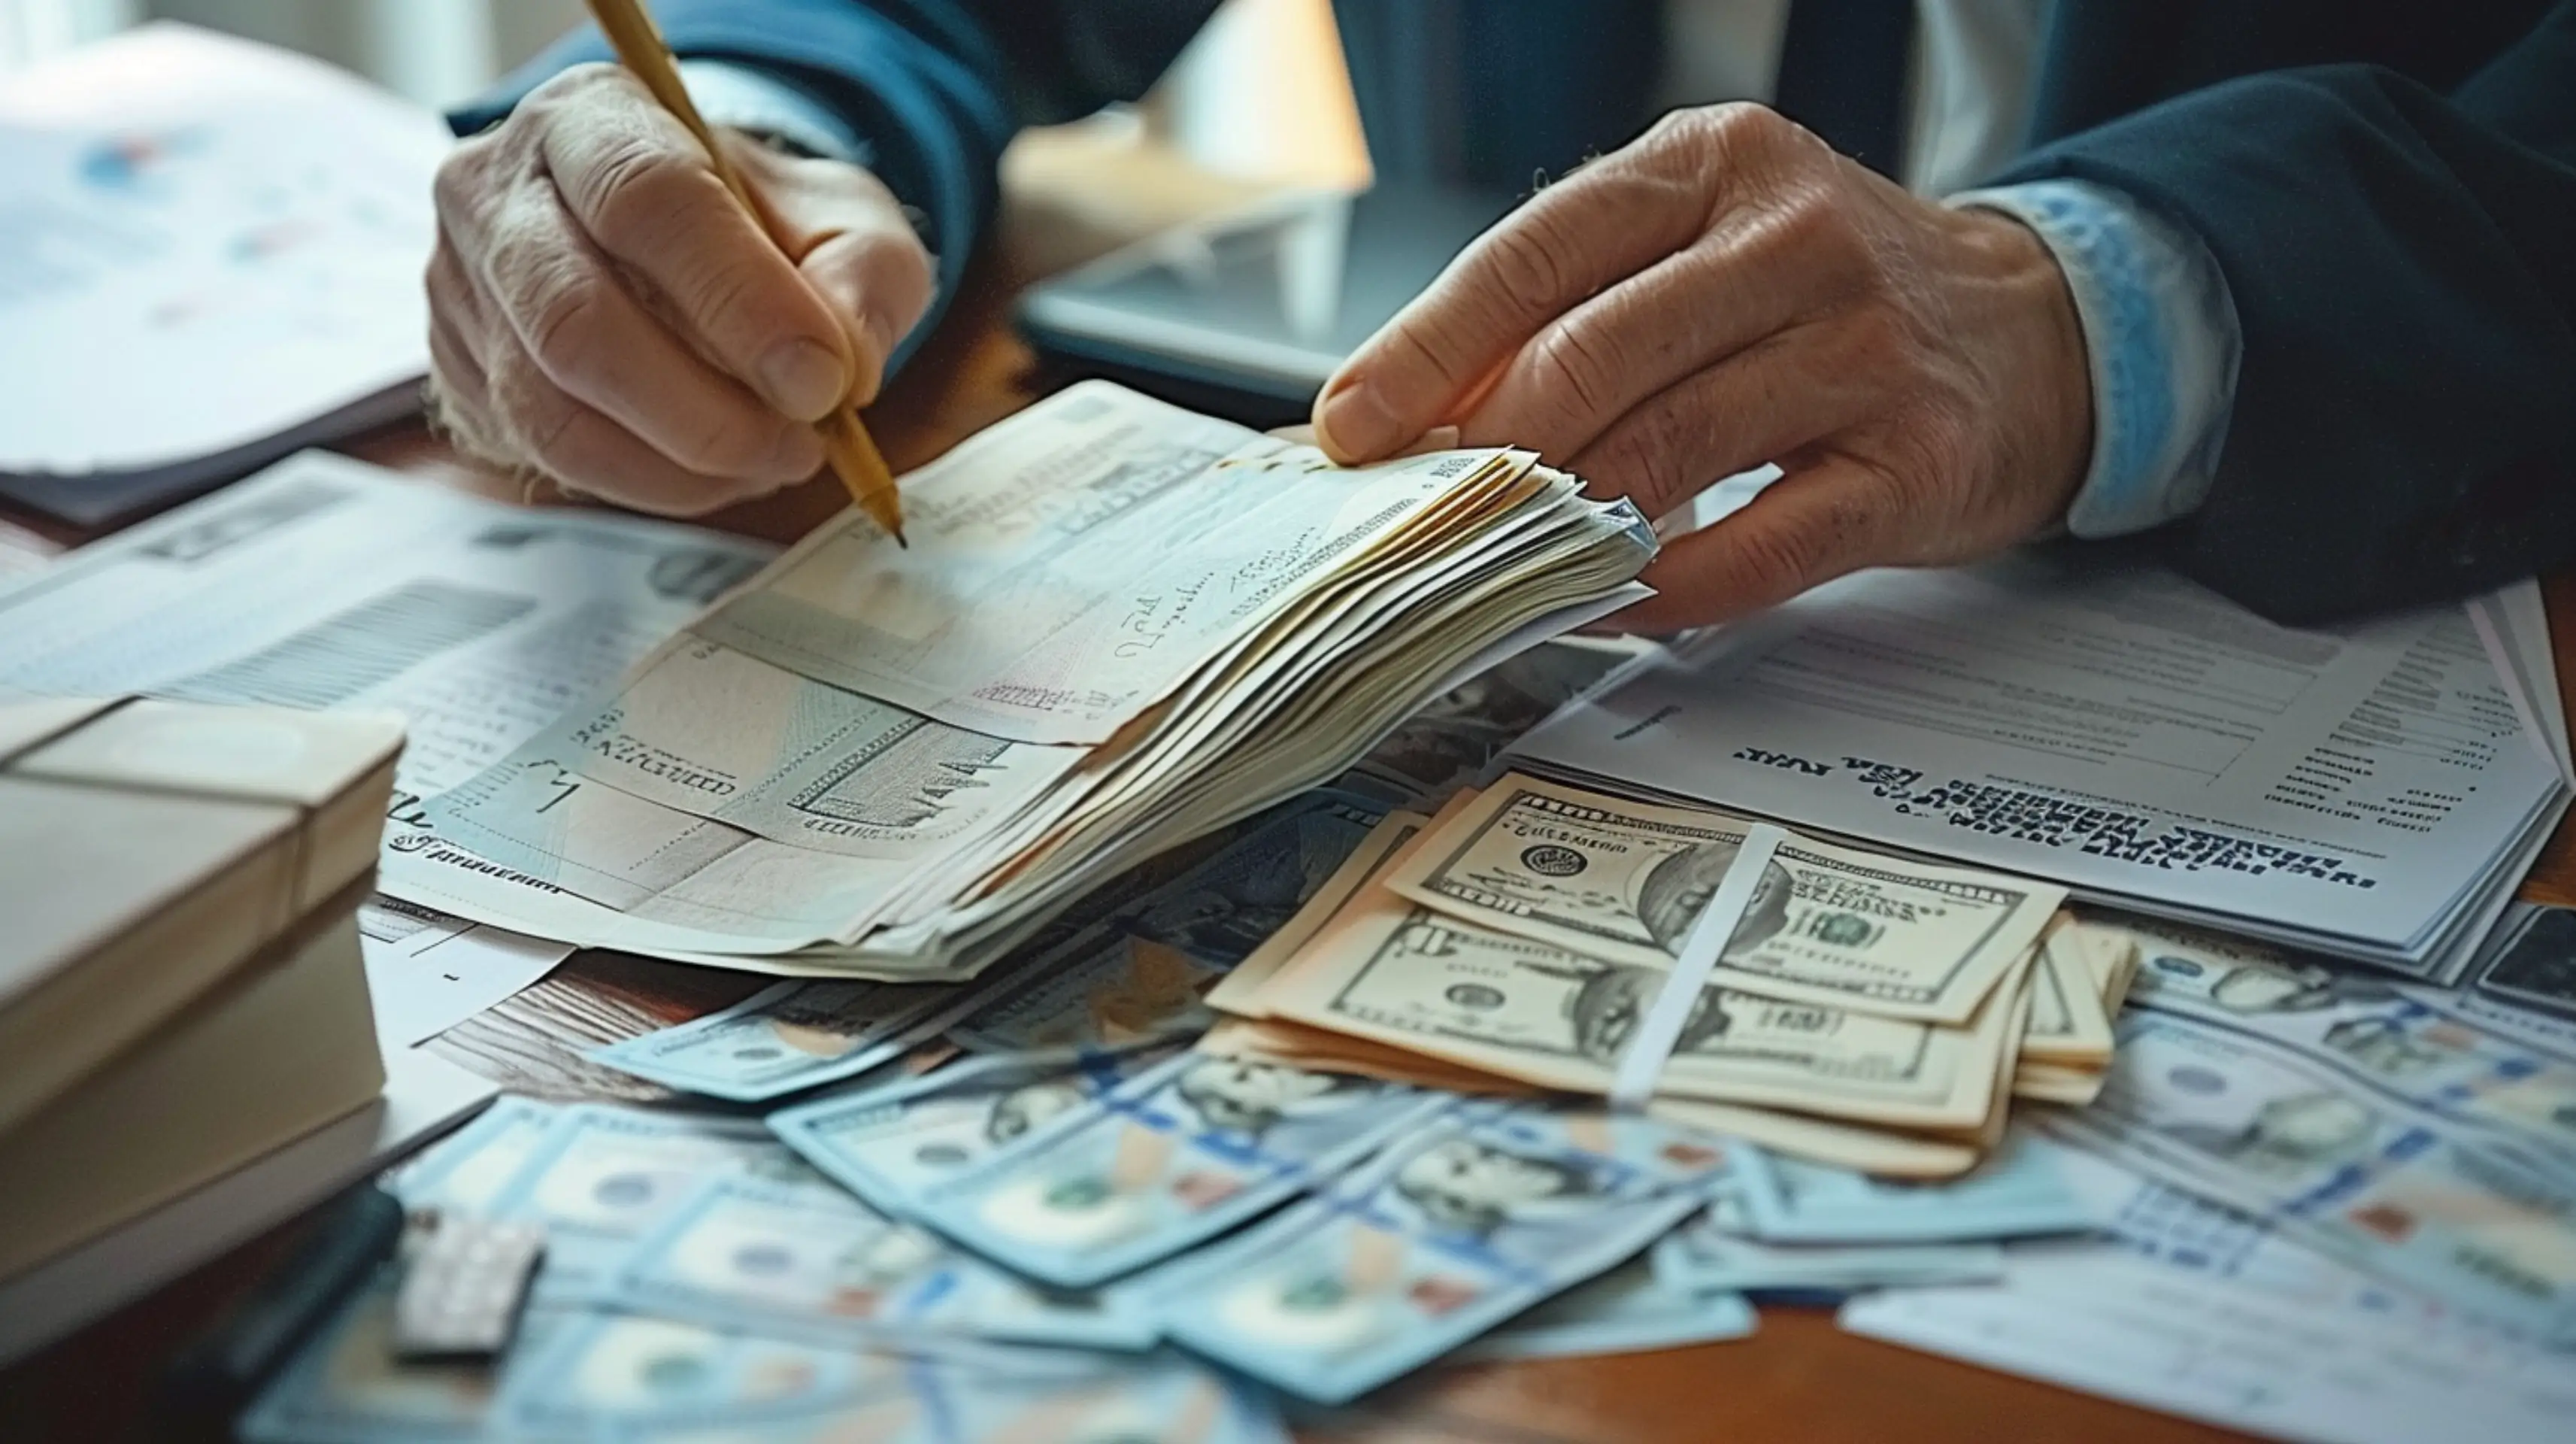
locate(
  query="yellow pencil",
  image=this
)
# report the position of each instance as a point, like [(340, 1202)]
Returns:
[(639, 46)]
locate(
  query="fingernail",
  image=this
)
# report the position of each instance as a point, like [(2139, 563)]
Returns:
[(1355, 425), (803, 378)]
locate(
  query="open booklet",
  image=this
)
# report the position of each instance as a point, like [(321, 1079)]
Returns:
[(2372, 791), (1119, 625)]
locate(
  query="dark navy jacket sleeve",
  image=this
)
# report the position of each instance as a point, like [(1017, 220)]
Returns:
[(2403, 264), (935, 87)]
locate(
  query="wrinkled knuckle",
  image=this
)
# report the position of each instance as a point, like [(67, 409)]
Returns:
[(1686, 132), (1786, 143), (565, 322), (1748, 129), (1574, 369), (1647, 459), (1821, 231), (1531, 259), (640, 195), (1774, 562), (1418, 343)]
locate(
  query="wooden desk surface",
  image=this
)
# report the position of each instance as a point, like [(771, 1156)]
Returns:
[(1800, 1378)]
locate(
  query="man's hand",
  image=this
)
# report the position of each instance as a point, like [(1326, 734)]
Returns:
[(602, 311), (1728, 291)]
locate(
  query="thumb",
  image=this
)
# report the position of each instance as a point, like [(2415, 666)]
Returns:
[(853, 244)]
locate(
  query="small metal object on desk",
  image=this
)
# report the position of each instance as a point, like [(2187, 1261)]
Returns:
[(464, 1283)]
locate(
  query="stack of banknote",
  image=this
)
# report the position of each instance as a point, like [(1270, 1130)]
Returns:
[(1119, 625), (1061, 1205), (1867, 1010)]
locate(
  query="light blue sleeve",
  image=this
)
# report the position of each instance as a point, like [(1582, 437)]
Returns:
[(2162, 336), (749, 98)]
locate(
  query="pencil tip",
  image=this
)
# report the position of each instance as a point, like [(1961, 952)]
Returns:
[(899, 541)]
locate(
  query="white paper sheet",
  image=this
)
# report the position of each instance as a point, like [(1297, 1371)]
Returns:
[(2514, 623), (428, 971), (324, 582), (2114, 728), (2294, 1366), (202, 242)]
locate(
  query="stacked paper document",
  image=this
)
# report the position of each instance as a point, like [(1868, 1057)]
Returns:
[(1862, 1009), (1119, 625), (2372, 791)]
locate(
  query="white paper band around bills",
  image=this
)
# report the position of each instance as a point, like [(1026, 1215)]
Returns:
[(1643, 1063)]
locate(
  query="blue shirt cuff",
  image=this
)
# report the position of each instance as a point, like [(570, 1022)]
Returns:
[(748, 98), (2161, 338)]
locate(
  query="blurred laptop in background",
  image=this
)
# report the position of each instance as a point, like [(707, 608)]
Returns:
[(1247, 314)]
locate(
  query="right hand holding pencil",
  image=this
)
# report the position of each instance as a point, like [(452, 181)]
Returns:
[(603, 313)]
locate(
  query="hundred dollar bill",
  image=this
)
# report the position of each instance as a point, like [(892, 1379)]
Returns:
[(1446, 1234), (1238, 990), (2020, 1190), (2411, 1044), (1426, 982), (892, 1143), (1623, 881), (2109, 954), (1716, 1250), (1023, 607), (787, 1037), (1843, 1145), (467, 1169), (1166, 1399), (345, 1382), (2067, 1021), (2361, 1176), (605, 1176), (815, 1263), (617, 1376), (1627, 1310), (662, 1372), (1165, 1161), (2063, 1083)]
